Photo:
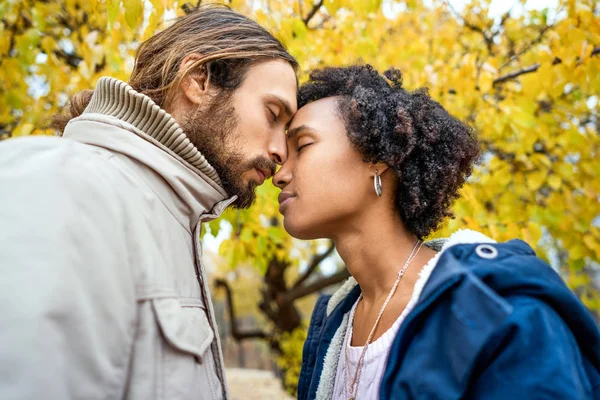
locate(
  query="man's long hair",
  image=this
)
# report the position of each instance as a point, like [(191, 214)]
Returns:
[(225, 42)]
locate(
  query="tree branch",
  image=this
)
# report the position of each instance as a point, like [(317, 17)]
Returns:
[(312, 12), (535, 41), (534, 68), (489, 40), (303, 291), (504, 18), (526, 48), (188, 8), (71, 59), (316, 260), (235, 332)]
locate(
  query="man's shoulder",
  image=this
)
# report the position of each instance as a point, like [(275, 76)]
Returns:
[(47, 151), (54, 173), (55, 158)]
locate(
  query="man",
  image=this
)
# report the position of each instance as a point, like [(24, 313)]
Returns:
[(103, 292)]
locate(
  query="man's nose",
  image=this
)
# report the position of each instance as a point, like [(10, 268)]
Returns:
[(278, 148)]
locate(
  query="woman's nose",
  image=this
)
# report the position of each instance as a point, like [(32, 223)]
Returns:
[(283, 176)]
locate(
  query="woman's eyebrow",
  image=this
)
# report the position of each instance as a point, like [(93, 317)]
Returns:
[(292, 133)]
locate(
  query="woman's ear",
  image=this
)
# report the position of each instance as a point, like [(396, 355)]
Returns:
[(379, 167), (195, 87)]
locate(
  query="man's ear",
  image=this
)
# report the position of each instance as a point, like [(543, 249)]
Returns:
[(195, 86)]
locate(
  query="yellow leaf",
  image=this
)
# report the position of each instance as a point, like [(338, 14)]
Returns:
[(159, 6), (47, 44), (24, 129), (554, 181), (535, 180), (592, 244), (332, 6), (485, 82), (522, 118), (535, 233)]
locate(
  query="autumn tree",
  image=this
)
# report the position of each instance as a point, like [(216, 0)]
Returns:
[(528, 82)]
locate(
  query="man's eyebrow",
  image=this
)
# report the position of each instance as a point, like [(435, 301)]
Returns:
[(292, 133), (287, 108)]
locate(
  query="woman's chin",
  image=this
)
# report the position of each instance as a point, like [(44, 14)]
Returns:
[(300, 231)]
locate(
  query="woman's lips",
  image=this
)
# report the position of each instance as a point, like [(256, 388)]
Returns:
[(284, 199)]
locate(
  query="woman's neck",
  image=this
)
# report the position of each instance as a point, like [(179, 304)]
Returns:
[(375, 251)]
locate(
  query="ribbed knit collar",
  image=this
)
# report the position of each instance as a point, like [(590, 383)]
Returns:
[(117, 99)]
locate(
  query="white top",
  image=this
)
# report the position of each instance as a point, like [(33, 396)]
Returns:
[(373, 364)]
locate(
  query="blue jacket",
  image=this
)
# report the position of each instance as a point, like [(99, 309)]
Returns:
[(488, 325)]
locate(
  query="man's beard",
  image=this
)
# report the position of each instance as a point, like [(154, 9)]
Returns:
[(215, 134)]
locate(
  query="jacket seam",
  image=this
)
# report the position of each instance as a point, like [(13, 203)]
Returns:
[(130, 357)]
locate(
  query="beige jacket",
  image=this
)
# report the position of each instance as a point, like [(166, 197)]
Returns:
[(103, 294)]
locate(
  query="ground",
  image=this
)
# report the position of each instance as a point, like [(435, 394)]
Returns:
[(254, 384)]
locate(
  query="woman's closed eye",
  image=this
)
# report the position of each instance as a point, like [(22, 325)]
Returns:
[(273, 115), (303, 146)]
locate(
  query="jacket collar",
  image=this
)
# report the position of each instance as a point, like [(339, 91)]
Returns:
[(180, 175), (462, 236)]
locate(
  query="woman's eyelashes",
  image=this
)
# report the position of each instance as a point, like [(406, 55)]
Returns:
[(303, 146), (274, 116)]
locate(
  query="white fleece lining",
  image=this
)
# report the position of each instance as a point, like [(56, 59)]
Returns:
[(327, 378), (340, 294)]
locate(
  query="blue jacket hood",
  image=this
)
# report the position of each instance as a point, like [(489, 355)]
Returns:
[(530, 279)]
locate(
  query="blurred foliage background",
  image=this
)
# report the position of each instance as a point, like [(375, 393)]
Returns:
[(527, 79)]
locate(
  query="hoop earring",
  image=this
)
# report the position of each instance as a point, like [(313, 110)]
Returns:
[(377, 184)]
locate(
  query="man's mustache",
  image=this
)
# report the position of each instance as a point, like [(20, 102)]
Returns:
[(262, 163)]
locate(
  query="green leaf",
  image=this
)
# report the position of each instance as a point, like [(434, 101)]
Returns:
[(113, 10), (246, 235), (134, 10), (299, 29)]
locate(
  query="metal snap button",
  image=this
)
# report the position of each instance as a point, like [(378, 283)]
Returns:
[(486, 251)]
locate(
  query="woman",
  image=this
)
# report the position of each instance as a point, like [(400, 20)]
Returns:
[(375, 168)]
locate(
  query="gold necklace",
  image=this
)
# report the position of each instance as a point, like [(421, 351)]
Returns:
[(353, 390)]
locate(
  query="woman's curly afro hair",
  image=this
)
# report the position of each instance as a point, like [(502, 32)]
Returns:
[(431, 152)]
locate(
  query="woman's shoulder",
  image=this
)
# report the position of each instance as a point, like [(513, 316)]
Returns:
[(493, 280), (503, 289), (487, 306)]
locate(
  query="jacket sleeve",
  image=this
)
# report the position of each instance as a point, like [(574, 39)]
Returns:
[(533, 356), (67, 301)]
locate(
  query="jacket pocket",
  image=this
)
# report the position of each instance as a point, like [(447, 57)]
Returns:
[(186, 366), (185, 328)]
